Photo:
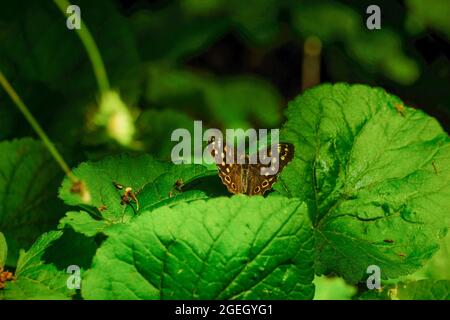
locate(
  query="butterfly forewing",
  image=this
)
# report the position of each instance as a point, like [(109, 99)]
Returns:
[(230, 172)]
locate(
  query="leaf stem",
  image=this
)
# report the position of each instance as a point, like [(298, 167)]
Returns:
[(91, 49), (37, 128)]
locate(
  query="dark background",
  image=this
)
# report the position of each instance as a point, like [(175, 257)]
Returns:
[(229, 63)]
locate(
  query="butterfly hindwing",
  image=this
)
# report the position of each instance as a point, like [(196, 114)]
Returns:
[(232, 178), (261, 177)]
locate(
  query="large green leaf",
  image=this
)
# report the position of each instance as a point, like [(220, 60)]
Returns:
[(224, 248), (29, 178), (34, 279), (376, 176), (154, 183)]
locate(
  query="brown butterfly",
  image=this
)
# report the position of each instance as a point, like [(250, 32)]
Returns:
[(245, 177)]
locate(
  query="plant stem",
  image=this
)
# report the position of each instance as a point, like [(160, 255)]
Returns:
[(91, 49), (37, 128), (311, 62)]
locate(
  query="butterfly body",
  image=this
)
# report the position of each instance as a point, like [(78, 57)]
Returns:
[(245, 176)]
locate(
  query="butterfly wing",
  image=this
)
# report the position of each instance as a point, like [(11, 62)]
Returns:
[(261, 177), (230, 172)]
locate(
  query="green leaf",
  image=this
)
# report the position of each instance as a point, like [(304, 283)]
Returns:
[(163, 191), (3, 250), (224, 248), (99, 178), (426, 289), (328, 20), (333, 289), (31, 259), (200, 23), (34, 279), (181, 40), (335, 23), (178, 198), (375, 175), (432, 13), (385, 293), (29, 205), (83, 222), (155, 127), (255, 20), (232, 101), (391, 60), (437, 268), (153, 181)]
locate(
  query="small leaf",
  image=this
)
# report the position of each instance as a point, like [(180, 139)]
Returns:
[(83, 223), (34, 279), (224, 248), (3, 250), (32, 258)]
